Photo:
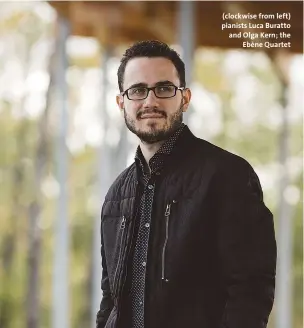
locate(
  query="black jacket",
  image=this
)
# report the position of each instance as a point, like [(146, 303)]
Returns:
[(220, 255)]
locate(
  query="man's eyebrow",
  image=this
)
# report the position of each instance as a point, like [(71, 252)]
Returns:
[(141, 84), (166, 82)]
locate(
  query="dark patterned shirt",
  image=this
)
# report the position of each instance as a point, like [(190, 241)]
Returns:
[(138, 272)]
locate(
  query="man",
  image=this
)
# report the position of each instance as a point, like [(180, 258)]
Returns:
[(186, 240)]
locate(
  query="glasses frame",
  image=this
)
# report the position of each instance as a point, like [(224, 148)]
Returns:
[(153, 89)]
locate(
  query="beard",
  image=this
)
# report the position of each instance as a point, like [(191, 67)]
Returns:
[(156, 134)]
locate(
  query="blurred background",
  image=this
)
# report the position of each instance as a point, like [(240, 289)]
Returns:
[(63, 140)]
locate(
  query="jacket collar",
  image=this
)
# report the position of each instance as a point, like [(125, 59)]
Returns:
[(157, 161), (184, 146)]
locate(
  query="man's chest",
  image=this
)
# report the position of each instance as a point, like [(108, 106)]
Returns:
[(170, 215)]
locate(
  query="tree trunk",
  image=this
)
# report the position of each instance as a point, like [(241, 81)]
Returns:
[(283, 313), (8, 246), (34, 212)]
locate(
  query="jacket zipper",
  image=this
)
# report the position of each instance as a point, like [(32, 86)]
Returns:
[(167, 216), (128, 246), (122, 227)]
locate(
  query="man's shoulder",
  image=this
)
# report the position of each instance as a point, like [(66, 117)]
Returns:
[(221, 157), (231, 168), (200, 149), (125, 177)]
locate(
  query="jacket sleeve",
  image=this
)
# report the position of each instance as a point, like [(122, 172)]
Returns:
[(247, 249), (106, 304)]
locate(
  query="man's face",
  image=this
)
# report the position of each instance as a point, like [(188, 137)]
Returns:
[(152, 119)]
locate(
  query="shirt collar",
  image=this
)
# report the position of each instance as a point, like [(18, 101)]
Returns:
[(156, 162)]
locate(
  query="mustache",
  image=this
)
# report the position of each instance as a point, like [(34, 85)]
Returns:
[(155, 111)]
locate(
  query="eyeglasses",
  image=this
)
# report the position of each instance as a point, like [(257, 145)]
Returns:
[(160, 91)]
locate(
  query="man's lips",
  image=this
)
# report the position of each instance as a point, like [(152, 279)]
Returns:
[(151, 116)]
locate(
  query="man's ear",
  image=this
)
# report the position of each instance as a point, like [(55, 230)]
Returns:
[(120, 102), (186, 99)]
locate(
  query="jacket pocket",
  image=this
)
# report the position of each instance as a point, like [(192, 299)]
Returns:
[(115, 237), (112, 320), (163, 266), (122, 247)]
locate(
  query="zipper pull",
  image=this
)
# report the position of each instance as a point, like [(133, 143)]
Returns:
[(168, 209), (123, 222)]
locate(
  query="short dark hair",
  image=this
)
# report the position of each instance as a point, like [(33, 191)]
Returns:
[(151, 48)]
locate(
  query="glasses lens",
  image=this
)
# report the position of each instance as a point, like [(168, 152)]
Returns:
[(165, 91), (137, 93)]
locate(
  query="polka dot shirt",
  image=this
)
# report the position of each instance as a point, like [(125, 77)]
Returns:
[(139, 262)]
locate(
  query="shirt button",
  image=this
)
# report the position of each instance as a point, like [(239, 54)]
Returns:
[(144, 264), (147, 225), (150, 187), (157, 173)]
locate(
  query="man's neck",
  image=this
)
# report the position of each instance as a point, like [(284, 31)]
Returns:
[(148, 150)]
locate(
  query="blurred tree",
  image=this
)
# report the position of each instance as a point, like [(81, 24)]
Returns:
[(17, 173), (42, 157), (12, 231), (249, 130)]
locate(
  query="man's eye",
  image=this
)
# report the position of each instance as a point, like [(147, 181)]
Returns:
[(165, 88), (137, 91)]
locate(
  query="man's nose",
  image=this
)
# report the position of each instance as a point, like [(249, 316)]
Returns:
[(151, 100)]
